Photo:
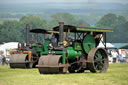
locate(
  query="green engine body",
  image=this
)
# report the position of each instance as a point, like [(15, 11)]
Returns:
[(42, 49), (72, 53)]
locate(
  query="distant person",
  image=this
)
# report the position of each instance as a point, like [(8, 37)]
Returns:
[(115, 56), (3, 58), (120, 58), (97, 38), (54, 41), (0, 58), (57, 37)]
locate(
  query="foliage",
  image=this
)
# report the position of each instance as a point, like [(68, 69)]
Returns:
[(15, 30), (67, 19), (33, 21), (10, 31), (107, 20), (63, 17), (120, 26)]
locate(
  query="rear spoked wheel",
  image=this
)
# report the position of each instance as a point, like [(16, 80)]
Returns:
[(98, 60)]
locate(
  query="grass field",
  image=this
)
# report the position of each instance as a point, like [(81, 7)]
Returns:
[(117, 75)]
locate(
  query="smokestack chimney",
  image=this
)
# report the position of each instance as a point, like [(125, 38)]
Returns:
[(61, 33), (27, 34)]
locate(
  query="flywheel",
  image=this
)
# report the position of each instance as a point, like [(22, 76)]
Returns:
[(88, 43)]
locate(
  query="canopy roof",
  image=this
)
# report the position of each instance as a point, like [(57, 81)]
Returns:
[(66, 27), (95, 29), (42, 31), (83, 29)]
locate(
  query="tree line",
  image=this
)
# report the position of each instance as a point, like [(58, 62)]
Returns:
[(14, 30), (120, 26)]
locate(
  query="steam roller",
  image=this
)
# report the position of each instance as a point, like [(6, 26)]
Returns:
[(27, 56), (76, 51)]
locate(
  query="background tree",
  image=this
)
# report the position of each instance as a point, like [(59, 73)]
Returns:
[(108, 20), (81, 22), (10, 31), (15, 30), (67, 18), (34, 22), (120, 26)]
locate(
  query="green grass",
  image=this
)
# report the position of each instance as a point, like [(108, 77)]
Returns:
[(117, 75)]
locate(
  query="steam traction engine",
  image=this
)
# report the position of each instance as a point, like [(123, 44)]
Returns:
[(77, 51)]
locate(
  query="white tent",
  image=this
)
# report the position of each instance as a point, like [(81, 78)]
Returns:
[(108, 45), (6, 46)]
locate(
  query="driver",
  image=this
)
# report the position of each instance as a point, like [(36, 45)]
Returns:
[(54, 41)]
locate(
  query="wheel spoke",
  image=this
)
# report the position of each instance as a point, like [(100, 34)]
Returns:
[(100, 56), (96, 56), (96, 60), (96, 66), (100, 66), (102, 60), (101, 63)]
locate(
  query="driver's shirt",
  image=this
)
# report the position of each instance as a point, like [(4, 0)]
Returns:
[(53, 40)]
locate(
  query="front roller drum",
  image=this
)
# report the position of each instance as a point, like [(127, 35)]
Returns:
[(98, 60), (19, 61), (51, 64)]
